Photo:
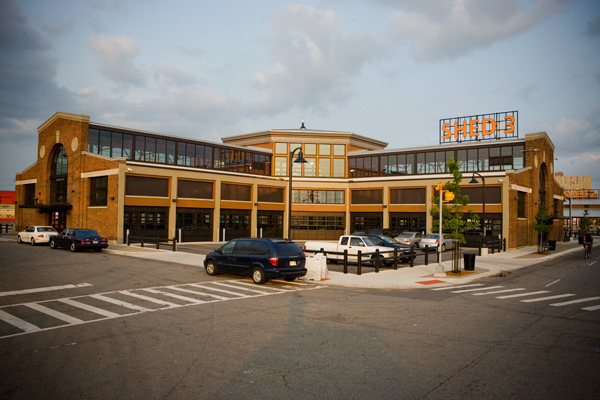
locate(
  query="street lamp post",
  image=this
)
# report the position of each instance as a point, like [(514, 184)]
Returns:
[(300, 159), (474, 180)]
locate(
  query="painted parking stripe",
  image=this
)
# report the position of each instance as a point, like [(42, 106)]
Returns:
[(18, 322), (93, 309), (148, 298), (263, 287), (46, 289), (477, 289), (558, 296), (498, 291), (119, 302), (566, 303), (53, 313), (510, 296), (175, 296), (241, 288), (458, 287)]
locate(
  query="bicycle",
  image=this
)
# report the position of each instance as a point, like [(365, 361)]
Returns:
[(587, 250)]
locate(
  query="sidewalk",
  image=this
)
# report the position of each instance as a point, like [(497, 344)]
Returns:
[(403, 278)]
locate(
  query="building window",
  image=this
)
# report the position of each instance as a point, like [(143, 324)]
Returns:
[(310, 149), (408, 196), (58, 176), (373, 196), (318, 196), (194, 189), (339, 149), (310, 167), (268, 194), (143, 186), (324, 149), (281, 166), (29, 194), (324, 167), (339, 167), (236, 192), (98, 191), (280, 148), (522, 205)]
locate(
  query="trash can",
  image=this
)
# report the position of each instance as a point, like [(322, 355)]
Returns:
[(551, 244), (469, 262), (580, 238)]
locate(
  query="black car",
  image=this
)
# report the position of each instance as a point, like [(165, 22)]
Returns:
[(386, 241), (79, 239), (261, 259)]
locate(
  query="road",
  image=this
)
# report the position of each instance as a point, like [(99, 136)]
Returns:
[(282, 340)]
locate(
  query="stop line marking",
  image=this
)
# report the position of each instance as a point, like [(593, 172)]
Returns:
[(45, 289)]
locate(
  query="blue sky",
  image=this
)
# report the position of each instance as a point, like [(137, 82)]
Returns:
[(387, 69)]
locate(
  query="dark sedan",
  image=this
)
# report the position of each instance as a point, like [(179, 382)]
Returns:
[(386, 241), (79, 239)]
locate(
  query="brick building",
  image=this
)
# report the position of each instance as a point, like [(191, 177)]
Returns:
[(120, 180)]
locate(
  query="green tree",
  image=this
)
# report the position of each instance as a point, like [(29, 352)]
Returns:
[(452, 212), (542, 224), (585, 221)]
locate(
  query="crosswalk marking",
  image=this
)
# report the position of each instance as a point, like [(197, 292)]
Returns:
[(87, 307), (148, 298), (175, 296), (18, 322), (498, 291), (510, 296), (199, 293), (558, 296), (54, 313), (119, 302), (229, 290), (566, 303), (457, 287), (477, 289), (592, 308)]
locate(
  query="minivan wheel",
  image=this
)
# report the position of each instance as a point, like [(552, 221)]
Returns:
[(211, 268), (258, 275)]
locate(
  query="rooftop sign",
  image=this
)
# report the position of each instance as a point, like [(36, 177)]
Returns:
[(474, 128)]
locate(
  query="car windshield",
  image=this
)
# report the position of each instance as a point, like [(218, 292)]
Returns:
[(287, 249), (432, 236), (46, 229), (86, 232), (387, 240)]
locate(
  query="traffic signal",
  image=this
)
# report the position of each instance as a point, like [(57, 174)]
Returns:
[(449, 196)]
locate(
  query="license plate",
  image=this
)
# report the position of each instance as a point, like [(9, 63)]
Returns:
[(95, 242), (292, 263)]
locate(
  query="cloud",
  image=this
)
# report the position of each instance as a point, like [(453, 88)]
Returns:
[(117, 54), (313, 62), (442, 29)]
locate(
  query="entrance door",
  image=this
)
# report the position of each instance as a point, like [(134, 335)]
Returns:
[(58, 220)]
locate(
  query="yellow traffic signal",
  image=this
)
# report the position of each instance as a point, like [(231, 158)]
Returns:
[(449, 196)]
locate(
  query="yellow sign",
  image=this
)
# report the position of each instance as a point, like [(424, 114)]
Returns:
[(581, 194)]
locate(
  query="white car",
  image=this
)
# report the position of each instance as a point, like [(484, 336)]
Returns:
[(36, 234), (433, 240)]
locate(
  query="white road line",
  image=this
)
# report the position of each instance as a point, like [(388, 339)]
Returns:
[(254, 285), (218, 290), (558, 296), (175, 296), (93, 309), (592, 263), (119, 302), (148, 298), (18, 322), (592, 308), (510, 296), (566, 303), (243, 288), (199, 293), (498, 291), (552, 283), (54, 313), (476, 289), (46, 289), (458, 287)]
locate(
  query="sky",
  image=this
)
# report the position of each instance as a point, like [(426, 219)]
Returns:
[(385, 69)]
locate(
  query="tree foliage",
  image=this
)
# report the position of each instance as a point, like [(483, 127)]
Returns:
[(543, 221), (452, 212)]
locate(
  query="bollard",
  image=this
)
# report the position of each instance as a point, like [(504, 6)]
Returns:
[(377, 260), (412, 255), (174, 244), (359, 266), (395, 258), (157, 243), (345, 261), (504, 244), (142, 240), (426, 254)]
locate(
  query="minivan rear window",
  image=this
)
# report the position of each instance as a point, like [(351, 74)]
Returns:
[(287, 249)]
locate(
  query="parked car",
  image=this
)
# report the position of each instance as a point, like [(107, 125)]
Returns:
[(386, 241), (79, 239), (353, 244), (433, 240), (385, 232), (261, 259), (408, 238), (36, 234)]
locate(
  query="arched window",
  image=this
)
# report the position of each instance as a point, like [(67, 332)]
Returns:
[(58, 176), (542, 185)]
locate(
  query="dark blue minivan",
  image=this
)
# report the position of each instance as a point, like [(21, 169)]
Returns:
[(261, 259)]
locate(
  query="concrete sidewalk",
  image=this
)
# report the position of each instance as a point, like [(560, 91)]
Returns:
[(403, 278)]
